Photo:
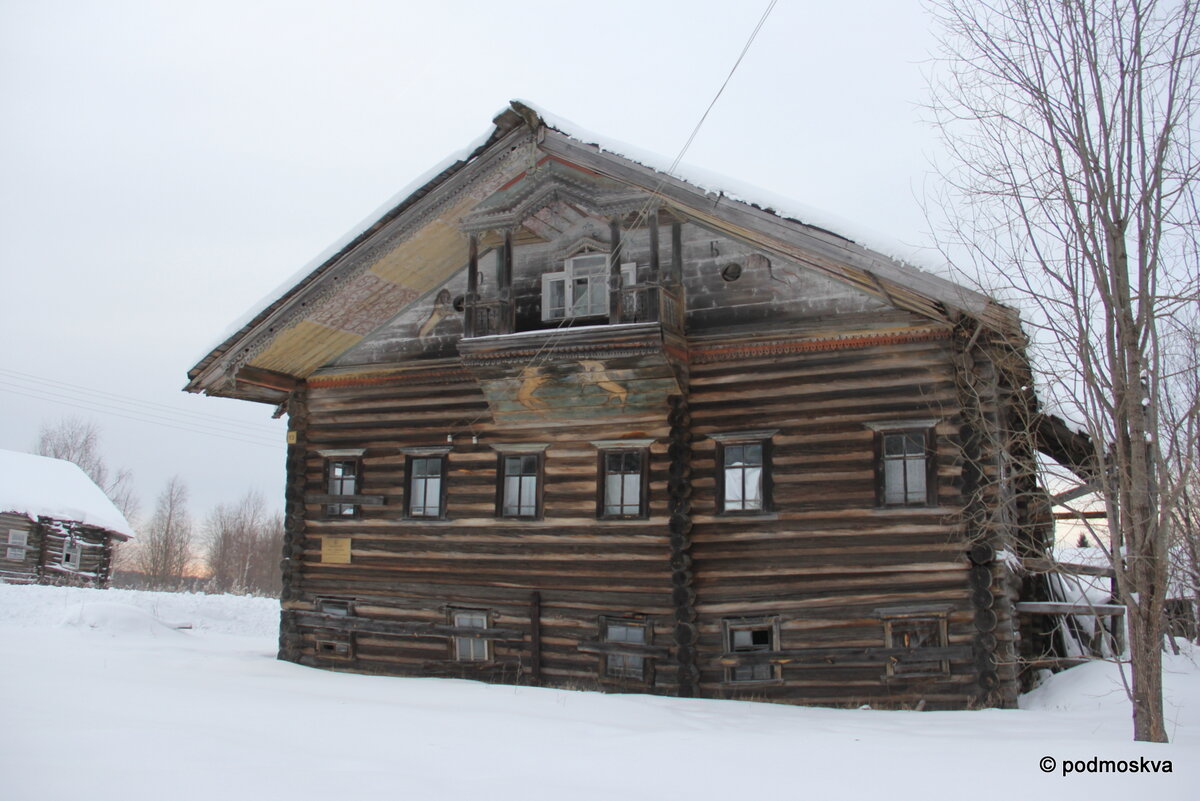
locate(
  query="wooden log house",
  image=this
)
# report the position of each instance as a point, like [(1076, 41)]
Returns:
[(56, 525), (559, 418)]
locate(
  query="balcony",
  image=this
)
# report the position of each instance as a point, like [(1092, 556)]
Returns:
[(579, 368)]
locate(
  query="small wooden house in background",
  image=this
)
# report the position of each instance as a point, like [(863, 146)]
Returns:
[(56, 525), (557, 417)]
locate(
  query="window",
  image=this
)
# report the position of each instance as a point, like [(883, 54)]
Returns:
[(904, 467), (581, 289), (72, 554), (744, 472), (624, 666), (426, 486), (342, 477), (342, 607), (18, 541), (470, 649), (927, 631), (337, 645), (519, 488), (752, 636), (623, 483)]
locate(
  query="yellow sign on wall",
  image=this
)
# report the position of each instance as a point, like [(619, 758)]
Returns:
[(335, 550)]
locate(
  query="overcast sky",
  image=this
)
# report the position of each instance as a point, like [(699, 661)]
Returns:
[(165, 165)]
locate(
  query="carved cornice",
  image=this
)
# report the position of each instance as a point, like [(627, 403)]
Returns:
[(443, 375), (726, 352)]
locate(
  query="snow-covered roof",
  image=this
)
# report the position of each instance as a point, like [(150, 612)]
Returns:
[(38, 486), (830, 246)]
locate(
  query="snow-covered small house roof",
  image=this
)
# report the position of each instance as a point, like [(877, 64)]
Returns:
[(38, 486)]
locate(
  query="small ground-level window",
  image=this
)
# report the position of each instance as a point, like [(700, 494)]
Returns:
[(916, 633), (72, 554), (624, 666), (470, 649), (748, 636), (342, 607), (334, 645)]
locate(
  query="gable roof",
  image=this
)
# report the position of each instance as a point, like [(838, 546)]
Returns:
[(38, 486), (419, 241)]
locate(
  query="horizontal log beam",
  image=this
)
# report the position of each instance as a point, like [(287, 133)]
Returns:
[(832, 656), (402, 629), (624, 649)]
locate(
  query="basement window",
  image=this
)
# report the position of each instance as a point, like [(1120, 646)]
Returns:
[(342, 607), (334, 645), (915, 631), (624, 666), (581, 289), (470, 649), (751, 636)]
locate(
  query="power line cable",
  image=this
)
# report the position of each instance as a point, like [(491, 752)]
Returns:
[(91, 392), (131, 414)]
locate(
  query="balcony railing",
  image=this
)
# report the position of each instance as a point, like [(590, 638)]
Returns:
[(637, 303)]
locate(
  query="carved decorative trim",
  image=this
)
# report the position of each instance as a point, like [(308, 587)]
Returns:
[(707, 354), (452, 375)]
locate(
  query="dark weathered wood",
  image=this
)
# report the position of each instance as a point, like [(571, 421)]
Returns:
[(535, 636)]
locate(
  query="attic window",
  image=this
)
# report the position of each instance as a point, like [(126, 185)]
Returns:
[(731, 272), (581, 289)]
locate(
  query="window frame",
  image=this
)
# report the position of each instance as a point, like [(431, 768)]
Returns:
[(567, 276), (646, 673), (929, 456), (333, 645), (442, 457), (765, 439), (770, 624), (340, 510), (643, 484), (937, 619), (539, 477), (460, 644), (72, 545), (12, 546)]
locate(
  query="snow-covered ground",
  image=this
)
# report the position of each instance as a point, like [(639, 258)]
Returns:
[(103, 697)]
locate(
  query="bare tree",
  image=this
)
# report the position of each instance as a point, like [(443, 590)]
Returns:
[(243, 547), (1073, 175), (163, 546), (78, 440)]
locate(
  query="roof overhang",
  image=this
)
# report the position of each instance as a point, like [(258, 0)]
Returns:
[(291, 338)]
